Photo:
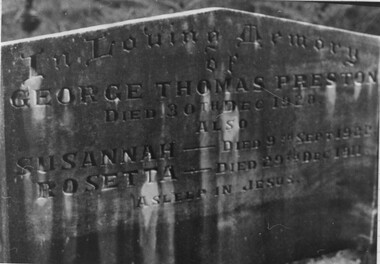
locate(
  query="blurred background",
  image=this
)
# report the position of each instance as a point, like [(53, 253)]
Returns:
[(26, 18)]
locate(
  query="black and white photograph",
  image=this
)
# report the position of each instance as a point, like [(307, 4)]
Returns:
[(189, 132)]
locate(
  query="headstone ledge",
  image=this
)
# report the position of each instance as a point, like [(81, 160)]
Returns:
[(211, 136)]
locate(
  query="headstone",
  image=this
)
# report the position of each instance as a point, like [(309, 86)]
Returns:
[(212, 136)]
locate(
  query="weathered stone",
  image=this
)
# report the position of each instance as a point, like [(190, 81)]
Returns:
[(213, 136)]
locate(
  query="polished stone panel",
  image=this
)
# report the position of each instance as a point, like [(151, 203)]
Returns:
[(212, 136)]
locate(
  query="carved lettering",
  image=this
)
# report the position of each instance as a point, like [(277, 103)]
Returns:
[(297, 40), (62, 61), (153, 40), (101, 47), (250, 35)]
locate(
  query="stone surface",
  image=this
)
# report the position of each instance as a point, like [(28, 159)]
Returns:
[(212, 136)]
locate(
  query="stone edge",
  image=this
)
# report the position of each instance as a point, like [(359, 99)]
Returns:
[(176, 15)]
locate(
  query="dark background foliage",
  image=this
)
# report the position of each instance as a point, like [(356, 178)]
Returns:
[(26, 18)]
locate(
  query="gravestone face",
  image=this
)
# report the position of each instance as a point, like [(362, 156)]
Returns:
[(213, 136)]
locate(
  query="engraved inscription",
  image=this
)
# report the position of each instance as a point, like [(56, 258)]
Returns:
[(189, 111)]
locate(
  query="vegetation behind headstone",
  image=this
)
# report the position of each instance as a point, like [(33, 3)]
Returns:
[(61, 15)]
